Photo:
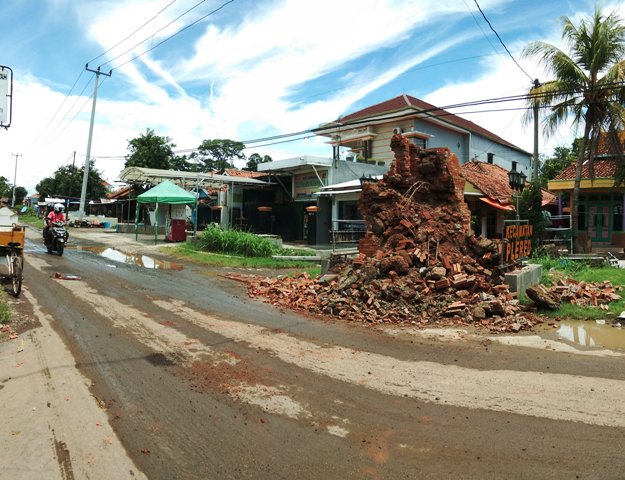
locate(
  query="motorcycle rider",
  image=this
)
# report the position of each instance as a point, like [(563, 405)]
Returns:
[(55, 215)]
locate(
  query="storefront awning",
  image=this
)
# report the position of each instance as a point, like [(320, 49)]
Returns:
[(497, 205)]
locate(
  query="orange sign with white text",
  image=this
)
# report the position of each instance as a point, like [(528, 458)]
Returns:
[(519, 241)]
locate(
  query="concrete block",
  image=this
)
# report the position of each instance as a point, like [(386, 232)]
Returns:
[(519, 280)]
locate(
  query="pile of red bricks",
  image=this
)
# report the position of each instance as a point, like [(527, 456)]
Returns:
[(418, 263)]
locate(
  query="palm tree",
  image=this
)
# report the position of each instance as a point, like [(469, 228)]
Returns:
[(589, 86)]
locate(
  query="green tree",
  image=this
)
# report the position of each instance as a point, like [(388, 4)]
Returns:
[(254, 159), (150, 151), (20, 194), (553, 166), (5, 187), (587, 86), (184, 163), (220, 154), (67, 182)]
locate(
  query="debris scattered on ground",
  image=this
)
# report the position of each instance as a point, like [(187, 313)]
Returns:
[(417, 263), (542, 297), (597, 294), (63, 276), (10, 333)]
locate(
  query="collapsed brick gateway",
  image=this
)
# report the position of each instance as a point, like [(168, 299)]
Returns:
[(418, 262)]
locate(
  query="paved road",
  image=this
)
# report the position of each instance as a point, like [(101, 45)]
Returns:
[(198, 381)]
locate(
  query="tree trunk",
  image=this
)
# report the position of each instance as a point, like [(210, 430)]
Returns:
[(578, 179)]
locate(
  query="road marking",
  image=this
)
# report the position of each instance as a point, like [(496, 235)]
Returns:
[(596, 401)]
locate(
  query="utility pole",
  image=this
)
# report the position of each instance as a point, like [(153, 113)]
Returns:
[(535, 171), (71, 179), (15, 177), (83, 192)]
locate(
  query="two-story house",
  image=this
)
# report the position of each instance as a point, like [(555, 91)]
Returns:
[(360, 143)]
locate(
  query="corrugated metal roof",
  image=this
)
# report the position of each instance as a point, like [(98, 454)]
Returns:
[(186, 180)]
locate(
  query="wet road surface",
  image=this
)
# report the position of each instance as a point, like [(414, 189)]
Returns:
[(199, 381)]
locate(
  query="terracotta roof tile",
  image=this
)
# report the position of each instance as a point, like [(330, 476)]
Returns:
[(403, 102), (605, 147), (604, 168), (491, 179), (121, 193)]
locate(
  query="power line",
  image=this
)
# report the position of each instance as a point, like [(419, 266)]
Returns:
[(134, 32), (46, 140), (501, 41), (170, 37), (433, 112), (59, 108)]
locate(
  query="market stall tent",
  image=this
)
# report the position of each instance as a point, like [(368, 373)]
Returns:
[(164, 193)]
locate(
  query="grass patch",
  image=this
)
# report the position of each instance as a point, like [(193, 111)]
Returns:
[(5, 311), (194, 253), (560, 268), (30, 218), (227, 240)]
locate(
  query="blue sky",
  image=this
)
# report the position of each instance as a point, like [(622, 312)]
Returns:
[(254, 69)]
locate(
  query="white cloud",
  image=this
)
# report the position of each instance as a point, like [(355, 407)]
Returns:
[(237, 80)]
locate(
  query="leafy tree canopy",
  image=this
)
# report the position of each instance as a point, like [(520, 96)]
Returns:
[(150, 151), (587, 86), (255, 159), (561, 159), (219, 154), (20, 194), (67, 182), (184, 164), (6, 188)]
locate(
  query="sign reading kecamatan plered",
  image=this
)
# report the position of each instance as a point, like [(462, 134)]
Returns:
[(519, 241)]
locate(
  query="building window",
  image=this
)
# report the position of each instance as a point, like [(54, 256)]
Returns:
[(491, 158), (367, 149), (617, 218), (514, 166), (420, 142)]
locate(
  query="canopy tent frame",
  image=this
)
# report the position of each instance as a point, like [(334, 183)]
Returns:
[(167, 193)]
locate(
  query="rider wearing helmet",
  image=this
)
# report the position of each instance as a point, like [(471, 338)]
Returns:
[(55, 215)]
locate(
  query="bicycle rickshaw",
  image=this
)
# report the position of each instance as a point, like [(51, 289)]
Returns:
[(12, 248)]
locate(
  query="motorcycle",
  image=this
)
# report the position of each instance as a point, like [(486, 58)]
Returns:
[(56, 238)]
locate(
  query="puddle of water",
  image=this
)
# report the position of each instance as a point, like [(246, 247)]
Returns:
[(138, 260), (589, 333)]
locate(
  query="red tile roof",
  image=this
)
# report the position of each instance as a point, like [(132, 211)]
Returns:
[(121, 193), (604, 168), (491, 179), (605, 147), (548, 198), (404, 102)]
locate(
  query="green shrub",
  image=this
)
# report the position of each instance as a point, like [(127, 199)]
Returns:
[(5, 310), (227, 240), (565, 266)]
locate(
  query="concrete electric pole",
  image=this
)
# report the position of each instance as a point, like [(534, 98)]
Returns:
[(16, 155), (535, 171), (83, 192)]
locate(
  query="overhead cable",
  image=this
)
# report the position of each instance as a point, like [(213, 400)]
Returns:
[(134, 32), (168, 38), (501, 41)]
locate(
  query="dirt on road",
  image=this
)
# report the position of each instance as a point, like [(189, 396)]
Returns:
[(179, 374)]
